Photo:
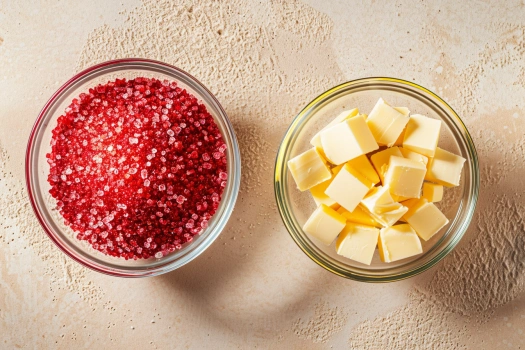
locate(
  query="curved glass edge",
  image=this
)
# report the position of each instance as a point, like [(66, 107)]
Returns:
[(280, 191), (232, 188)]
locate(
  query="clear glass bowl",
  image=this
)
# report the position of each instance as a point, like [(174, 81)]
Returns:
[(37, 169), (458, 204)]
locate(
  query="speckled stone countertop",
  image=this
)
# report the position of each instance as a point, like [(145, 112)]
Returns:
[(253, 287)]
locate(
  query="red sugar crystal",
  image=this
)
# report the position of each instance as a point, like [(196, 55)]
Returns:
[(130, 167)]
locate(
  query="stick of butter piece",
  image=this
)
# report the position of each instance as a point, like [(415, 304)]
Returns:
[(382, 207), (425, 218), (363, 165), (359, 216), (405, 111), (414, 155), (317, 191), (347, 140), (324, 224), (432, 192), (380, 160), (398, 242), (316, 140), (348, 187), (422, 135), (386, 123), (357, 242), (309, 169), (405, 177), (445, 168)]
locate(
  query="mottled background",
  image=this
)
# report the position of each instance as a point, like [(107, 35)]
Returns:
[(264, 61)]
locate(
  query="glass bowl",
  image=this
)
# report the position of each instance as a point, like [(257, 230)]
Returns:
[(458, 203), (37, 169)]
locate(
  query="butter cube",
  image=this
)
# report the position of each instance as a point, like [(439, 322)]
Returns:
[(425, 218), (405, 111), (432, 192), (445, 168), (324, 224), (359, 216), (386, 123), (414, 155), (398, 242), (381, 159), (347, 140), (405, 177), (348, 187), (363, 165), (382, 207), (422, 135), (357, 242), (309, 169), (317, 191), (316, 140)]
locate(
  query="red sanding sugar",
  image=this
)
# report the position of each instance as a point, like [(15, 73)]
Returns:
[(137, 167)]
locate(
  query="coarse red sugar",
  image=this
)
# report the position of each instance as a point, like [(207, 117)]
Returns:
[(137, 167)]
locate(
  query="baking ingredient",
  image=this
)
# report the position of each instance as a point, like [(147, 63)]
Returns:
[(445, 168), (348, 187), (137, 167), (425, 218), (359, 216), (386, 123), (347, 140), (363, 165), (324, 224), (414, 155), (405, 177), (345, 115), (398, 242), (422, 134), (357, 242), (309, 169), (380, 160), (432, 192), (382, 207)]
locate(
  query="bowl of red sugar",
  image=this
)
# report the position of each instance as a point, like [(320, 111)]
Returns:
[(133, 168)]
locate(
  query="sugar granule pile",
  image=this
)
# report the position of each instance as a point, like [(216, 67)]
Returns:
[(137, 167)]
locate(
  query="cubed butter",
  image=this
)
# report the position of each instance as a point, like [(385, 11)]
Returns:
[(357, 242), (445, 168), (316, 140), (386, 123), (425, 218), (382, 207), (432, 192), (380, 160), (324, 224), (363, 165), (414, 155), (422, 135), (317, 191), (405, 177), (348, 187), (398, 242), (309, 169), (359, 216), (347, 140)]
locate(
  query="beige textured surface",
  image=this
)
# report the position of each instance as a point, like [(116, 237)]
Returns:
[(253, 287)]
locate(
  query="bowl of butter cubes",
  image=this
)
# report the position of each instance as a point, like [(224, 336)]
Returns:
[(377, 179)]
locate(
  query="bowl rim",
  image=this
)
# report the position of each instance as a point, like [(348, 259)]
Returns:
[(280, 171), (139, 271)]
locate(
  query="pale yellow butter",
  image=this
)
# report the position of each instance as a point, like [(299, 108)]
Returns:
[(398, 242), (359, 216), (316, 140), (317, 191), (414, 155), (432, 192), (357, 242), (380, 160), (405, 177), (382, 207), (422, 135), (324, 224), (347, 140), (425, 218), (363, 165), (348, 187), (386, 123), (445, 168), (309, 169)]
